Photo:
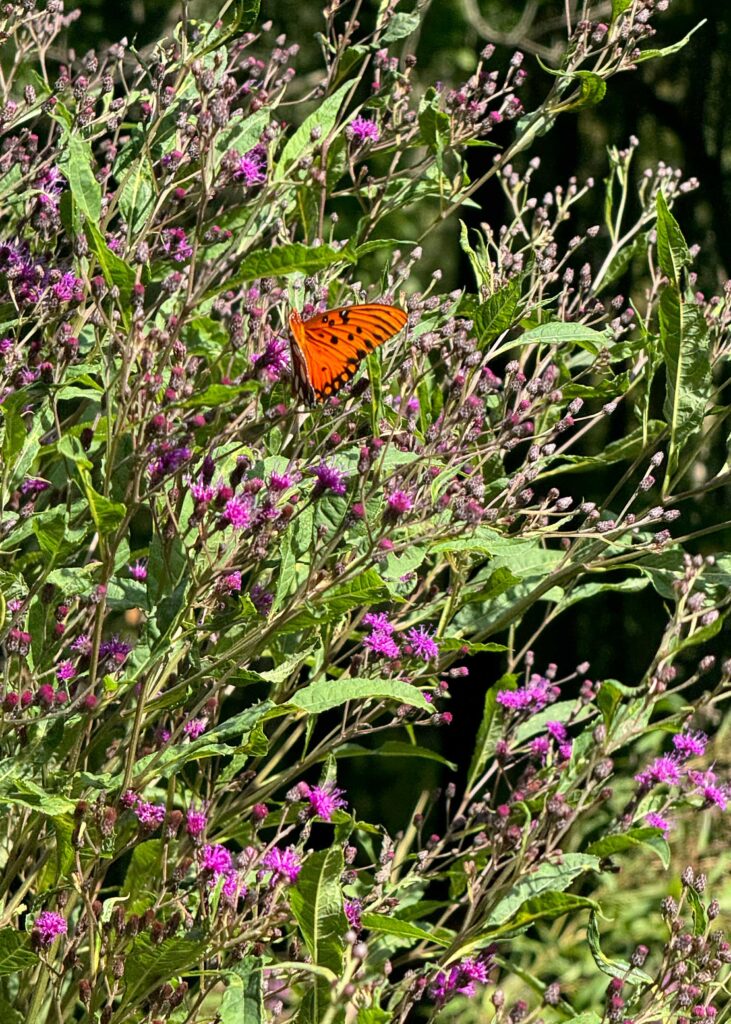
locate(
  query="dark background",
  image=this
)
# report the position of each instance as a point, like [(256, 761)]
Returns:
[(679, 109)]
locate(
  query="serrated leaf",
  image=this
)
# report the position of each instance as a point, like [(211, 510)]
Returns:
[(631, 840), (672, 250), (548, 877), (365, 589), (333, 693), (15, 951), (400, 26), (385, 924), (497, 313), (294, 258), (76, 166), (243, 1000), (394, 748)]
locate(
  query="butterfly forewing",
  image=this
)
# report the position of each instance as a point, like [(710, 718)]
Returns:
[(328, 348)]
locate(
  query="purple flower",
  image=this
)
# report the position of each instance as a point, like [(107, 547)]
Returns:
[(557, 730), (48, 926), (707, 784), (261, 599), (232, 888), (175, 243), (169, 461), (273, 361), (281, 481), (194, 727), (462, 978), (665, 769), (657, 821), (539, 748), (34, 486), (65, 670), (325, 800), (195, 822), (150, 815), (353, 910), (690, 744), (534, 697), (238, 512), (399, 502), (68, 288), (285, 865), (230, 583), (382, 643), (216, 859), (115, 650), (361, 131), (82, 644), (138, 571), (250, 169), (422, 643), (379, 621), (329, 478), (202, 492)]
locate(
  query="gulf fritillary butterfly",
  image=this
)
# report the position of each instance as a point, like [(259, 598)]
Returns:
[(327, 349)]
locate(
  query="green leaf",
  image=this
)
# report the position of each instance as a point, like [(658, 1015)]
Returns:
[(394, 748), (547, 878), (15, 951), (614, 968), (666, 51), (317, 904), (249, 15), (497, 583), (9, 1015), (546, 907), (49, 529), (456, 643), (322, 120), (148, 964), (143, 872), (365, 589), (559, 333), (685, 346), (400, 26), (76, 166), (652, 838), (672, 251), (333, 693), (294, 258), (700, 918), (592, 90), (498, 313), (434, 126), (137, 195), (243, 1000), (26, 793), (15, 429), (385, 924), (490, 729), (619, 7), (107, 515), (242, 134), (373, 1015)]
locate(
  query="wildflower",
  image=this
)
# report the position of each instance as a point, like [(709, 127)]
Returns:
[(379, 621), (261, 599), (657, 821), (690, 744), (230, 583), (363, 131), (168, 461), (238, 512), (47, 927), (34, 485), (707, 784), (232, 888), (82, 644), (539, 748), (381, 642), (115, 650), (533, 697), (273, 361), (665, 769), (329, 478), (325, 800), (176, 245), (150, 815), (250, 168), (285, 865), (194, 727), (557, 730), (216, 859), (422, 643), (138, 571), (281, 481), (65, 670), (195, 823), (399, 502), (462, 978), (68, 288), (353, 910)]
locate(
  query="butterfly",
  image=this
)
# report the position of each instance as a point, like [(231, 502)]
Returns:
[(327, 349)]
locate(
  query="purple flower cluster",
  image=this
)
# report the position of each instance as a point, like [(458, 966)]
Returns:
[(323, 800), (672, 770), (285, 865), (462, 978), (535, 696), (420, 642), (250, 169), (47, 927)]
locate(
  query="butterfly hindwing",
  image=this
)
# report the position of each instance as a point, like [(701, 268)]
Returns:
[(332, 344)]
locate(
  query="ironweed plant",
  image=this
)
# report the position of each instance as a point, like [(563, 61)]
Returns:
[(212, 595)]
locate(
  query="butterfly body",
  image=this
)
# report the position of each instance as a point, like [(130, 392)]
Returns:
[(327, 348)]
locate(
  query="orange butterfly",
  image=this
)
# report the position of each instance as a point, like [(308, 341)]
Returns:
[(328, 348)]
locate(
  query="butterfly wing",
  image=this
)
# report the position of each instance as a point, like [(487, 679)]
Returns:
[(329, 347)]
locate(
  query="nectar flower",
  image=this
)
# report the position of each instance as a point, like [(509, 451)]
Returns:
[(250, 168), (361, 131), (238, 512), (533, 697), (194, 727), (665, 769), (150, 815), (138, 571), (216, 859), (285, 865), (325, 800), (329, 478), (176, 244), (48, 926), (657, 821), (422, 643), (690, 744), (195, 823), (65, 671), (382, 643), (379, 621), (399, 502)]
